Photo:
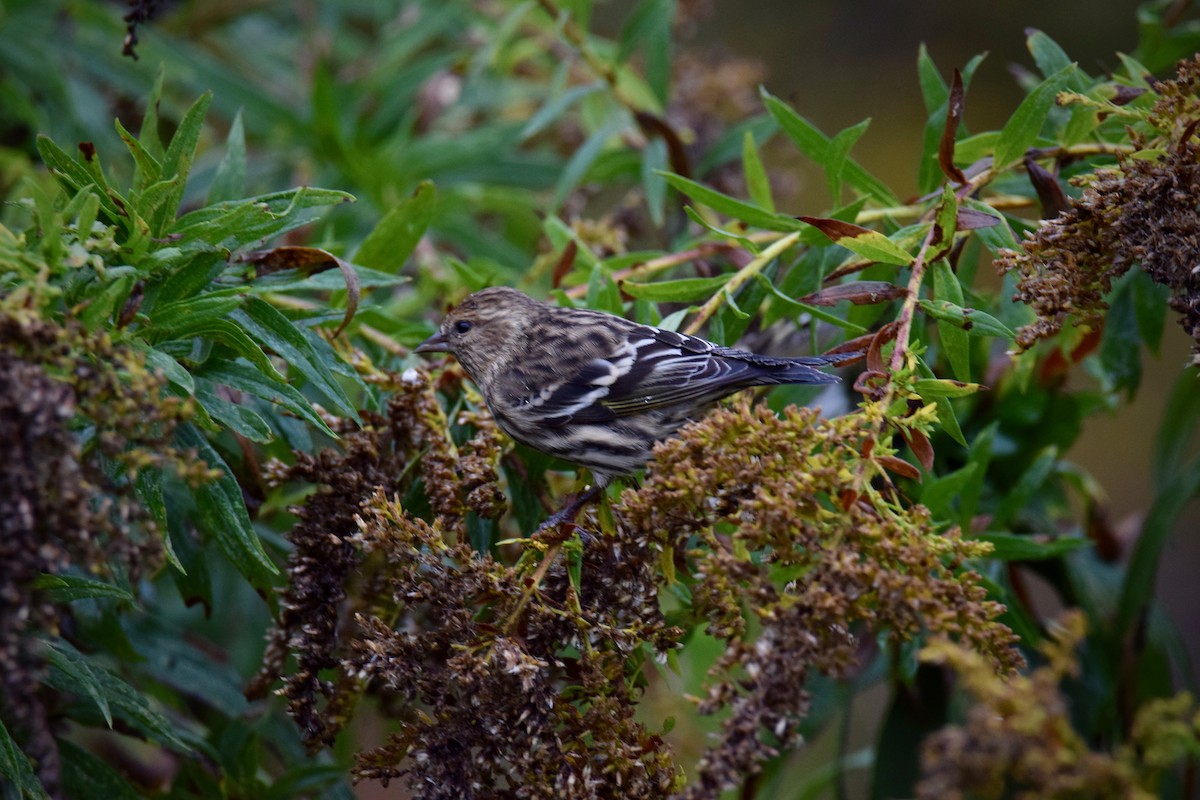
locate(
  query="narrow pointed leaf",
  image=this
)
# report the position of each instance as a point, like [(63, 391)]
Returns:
[(394, 237), (723, 204), (1022, 129), (230, 181), (865, 242)]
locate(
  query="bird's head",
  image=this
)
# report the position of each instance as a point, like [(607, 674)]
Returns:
[(485, 330)]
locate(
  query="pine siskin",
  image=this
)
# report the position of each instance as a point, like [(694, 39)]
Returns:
[(592, 388)]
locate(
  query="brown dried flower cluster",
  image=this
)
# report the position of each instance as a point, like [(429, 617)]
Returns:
[(1142, 213), (1017, 739), (516, 673), (498, 680), (776, 536), (67, 498)]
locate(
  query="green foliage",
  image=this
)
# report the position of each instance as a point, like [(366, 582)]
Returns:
[(215, 431)]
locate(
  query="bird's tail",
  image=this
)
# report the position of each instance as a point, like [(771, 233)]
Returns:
[(806, 369)]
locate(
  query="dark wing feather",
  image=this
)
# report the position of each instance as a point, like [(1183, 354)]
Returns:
[(647, 368)]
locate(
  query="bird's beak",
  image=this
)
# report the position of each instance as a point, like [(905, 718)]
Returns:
[(438, 343)]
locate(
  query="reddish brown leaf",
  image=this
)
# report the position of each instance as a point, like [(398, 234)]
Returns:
[(836, 229), (132, 304), (848, 498), (565, 262), (677, 153), (88, 150), (1101, 531), (875, 352), (871, 384), (969, 219), (859, 344), (1056, 364), (1126, 94), (1187, 136), (1049, 193), (308, 261), (857, 292), (921, 447), (954, 114), (898, 466)]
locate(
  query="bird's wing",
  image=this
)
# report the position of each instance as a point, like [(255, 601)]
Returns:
[(647, 368)]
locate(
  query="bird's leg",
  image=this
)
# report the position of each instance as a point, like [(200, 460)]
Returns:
[(569, 512)]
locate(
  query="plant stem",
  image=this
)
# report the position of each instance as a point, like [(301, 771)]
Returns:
[(740, 277)]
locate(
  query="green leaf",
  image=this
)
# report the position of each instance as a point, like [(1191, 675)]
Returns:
[(1031, 480), (935, 387), (1120, 344), (1022, 129), (246, 378), (603, 294), (837, 153), (81, 677), (148, 132), (235, 416), (175, 661), (974, 322), (757, 182), (222, 515), (230, 181), (938, 493), (556, 106), (75, 177), (949, 420), (99, 310), (69, 588), (393, 239), (1180, 418), (869, 244), (654, 187), (174, 320), (71, 671), (1169, 502), (815, 145), (955, 341), (934, 90), (177, 160), (86, 775), (235, 225), (1150, 306), (683, 290), (723, 204), (980, 456), (582, 160), (1049, 57), (17, 768), (1026, 547), (147, 169), (649, 30), (316, 362), (917, 710), (171, 369)]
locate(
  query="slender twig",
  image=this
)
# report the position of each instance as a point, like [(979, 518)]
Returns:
[(664, 262), (909, 309), (535, 581), (756, 265)]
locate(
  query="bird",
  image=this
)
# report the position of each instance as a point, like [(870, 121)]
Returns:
[(595, 389)]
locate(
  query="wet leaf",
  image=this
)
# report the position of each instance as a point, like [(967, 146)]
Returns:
[(856, 292), (865, 242), (954, 113)]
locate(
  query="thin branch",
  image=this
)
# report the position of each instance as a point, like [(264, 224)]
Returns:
[(741, 276)]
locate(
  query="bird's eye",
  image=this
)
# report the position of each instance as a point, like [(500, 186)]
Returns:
[(462, 326)]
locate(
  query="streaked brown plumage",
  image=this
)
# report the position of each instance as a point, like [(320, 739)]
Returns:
[(592, 388)]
